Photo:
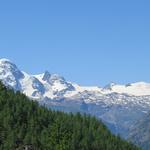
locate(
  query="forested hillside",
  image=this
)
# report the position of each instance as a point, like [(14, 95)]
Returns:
[(26, 125)]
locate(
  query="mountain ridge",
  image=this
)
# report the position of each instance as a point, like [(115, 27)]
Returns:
[(119, 106), (59, 82)]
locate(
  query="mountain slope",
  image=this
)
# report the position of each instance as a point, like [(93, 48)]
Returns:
[(140, 133), (118, 106), (26, 125)]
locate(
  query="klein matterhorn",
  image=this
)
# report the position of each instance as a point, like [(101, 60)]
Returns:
[(118, 106)]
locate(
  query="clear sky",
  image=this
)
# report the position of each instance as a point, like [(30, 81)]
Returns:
[(91, 42)]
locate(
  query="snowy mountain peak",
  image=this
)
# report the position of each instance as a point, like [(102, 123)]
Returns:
[(46, 76), (47, 85), (10, 74), (142, 83), (56, 77), (7, 64), (4, 60), (109, 86)]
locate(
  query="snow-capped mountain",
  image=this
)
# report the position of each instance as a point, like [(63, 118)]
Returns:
[(53, 86), (119, 106)]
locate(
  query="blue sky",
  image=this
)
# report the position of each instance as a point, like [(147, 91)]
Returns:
[(91, 42)]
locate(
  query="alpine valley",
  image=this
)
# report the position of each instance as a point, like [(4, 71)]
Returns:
[(118, 106)]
